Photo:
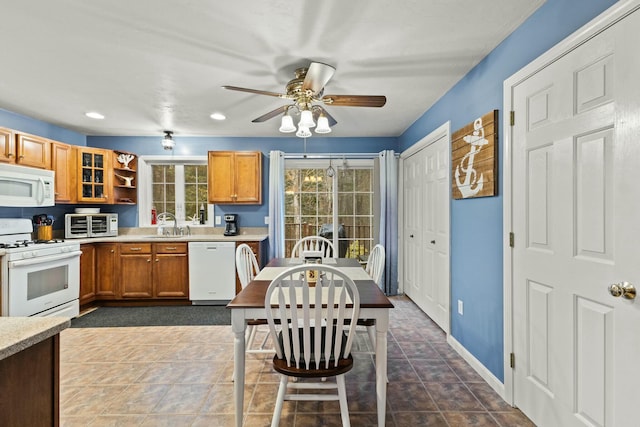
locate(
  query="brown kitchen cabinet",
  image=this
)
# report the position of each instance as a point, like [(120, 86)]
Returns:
[(260, 251), (94, 175), (106, 270), (7, 146), (63, 161), (87, 273), (24, 149), (158, 271), (124, 178), (235, 177), (171, 270), (136, 270), (30, 385)]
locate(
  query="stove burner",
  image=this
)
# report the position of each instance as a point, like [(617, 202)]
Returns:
[(48, 241), (26, 243)]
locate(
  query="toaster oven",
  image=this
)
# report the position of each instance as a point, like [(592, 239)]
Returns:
[(90, 225)]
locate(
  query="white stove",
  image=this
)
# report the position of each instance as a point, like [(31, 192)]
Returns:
[(38, 278)]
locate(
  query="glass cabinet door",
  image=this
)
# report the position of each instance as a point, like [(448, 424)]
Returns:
[(93, 176)]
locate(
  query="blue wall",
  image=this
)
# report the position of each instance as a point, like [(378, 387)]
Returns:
[(249, 215), (476, 224)]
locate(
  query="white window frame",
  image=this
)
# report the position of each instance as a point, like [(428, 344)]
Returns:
[(145, 192)]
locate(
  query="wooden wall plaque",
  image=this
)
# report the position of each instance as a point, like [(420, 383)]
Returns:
[(474, 158)]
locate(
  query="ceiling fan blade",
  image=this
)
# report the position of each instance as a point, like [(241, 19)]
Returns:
[(256, 91), (271, 114), (318, 75), (355, 100), (316, 113)]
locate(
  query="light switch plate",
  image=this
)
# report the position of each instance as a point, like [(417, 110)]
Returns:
[(266, 220), (218, 220)]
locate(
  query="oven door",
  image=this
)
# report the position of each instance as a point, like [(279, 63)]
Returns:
[(39, 284)]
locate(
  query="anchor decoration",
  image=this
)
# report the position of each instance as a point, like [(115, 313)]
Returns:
[(475, 173)]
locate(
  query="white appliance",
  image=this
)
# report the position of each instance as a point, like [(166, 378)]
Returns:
[(212, 272), (37, 278), (22, 186), (90, 225)]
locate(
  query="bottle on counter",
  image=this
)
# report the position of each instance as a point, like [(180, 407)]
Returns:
[(154, 216), (202, 213)]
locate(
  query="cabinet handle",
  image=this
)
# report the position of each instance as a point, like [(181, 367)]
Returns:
[(21, 157), (112, 251), (149, 260), (10, 155), (171, 248), (157, 260), (135, 249)]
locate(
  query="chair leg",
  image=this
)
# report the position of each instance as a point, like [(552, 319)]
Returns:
[(277, 411), (342, 397)]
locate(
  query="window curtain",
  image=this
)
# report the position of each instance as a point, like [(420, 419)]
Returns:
[(276, 204), (388, 233)]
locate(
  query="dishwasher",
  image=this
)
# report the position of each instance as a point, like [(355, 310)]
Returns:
[(212, 272)]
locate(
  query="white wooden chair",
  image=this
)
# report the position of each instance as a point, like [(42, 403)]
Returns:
[(316, 341), (248, 268), (314, 243), (375, 269)]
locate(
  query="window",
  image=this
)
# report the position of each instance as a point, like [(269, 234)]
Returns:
[(315, 202), (174, 185)]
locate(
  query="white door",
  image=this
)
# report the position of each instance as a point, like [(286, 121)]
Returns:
[(426, 198), (576, 205)]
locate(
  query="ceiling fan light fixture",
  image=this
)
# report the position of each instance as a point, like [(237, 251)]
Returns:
[(306, 119), (323, 125), (286, 126), (167, 142), (303, 132)]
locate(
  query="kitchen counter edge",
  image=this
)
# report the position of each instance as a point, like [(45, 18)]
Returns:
[(20, 333), (193, 238)]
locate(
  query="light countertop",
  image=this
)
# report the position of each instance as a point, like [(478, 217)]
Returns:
[(19, 333)]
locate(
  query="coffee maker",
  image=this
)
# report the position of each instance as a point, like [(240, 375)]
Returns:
[(231, 225)]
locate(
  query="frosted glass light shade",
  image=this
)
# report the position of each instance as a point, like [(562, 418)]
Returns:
[(303, 132), (306, 119), (323, 125), (286, 125)]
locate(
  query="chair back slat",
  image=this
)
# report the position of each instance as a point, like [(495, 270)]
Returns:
[(329, 314), (246, 264), (375, 263), (315, 244)]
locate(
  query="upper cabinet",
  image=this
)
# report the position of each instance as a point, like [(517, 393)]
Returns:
[(94, 175), (24, 149), (124, 166), (63, 161), (235, 177)]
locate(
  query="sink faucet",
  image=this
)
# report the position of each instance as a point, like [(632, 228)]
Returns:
[(169, 216)]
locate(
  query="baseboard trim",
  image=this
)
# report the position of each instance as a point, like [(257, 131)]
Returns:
[(486, 375)]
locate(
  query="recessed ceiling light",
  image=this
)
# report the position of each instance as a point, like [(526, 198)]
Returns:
[(218, 116), (94, 115)]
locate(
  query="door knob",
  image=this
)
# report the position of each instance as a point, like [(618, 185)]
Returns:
[(623, 289), (411, 236), (433, 242)]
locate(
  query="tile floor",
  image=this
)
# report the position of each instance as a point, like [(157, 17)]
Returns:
[(180, 376)]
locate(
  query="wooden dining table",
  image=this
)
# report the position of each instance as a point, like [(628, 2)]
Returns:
[(249, 304)]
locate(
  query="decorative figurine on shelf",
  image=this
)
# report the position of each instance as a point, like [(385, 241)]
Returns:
[(127, 180), (125, 159)]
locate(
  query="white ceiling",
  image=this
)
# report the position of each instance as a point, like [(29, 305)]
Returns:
[(151, 65)]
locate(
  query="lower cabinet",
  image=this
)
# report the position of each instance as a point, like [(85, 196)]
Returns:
[(30, 385), (171, 270), (140, 270), (87, 273)]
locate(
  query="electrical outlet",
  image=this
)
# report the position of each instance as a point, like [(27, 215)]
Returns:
[(460, 307), (266, 220), (218, 220)]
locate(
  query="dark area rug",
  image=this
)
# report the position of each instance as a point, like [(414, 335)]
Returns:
[(154, 316)]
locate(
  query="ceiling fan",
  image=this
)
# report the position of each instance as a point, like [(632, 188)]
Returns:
[(306, 90)]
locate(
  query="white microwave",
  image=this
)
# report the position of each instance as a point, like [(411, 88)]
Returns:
[(90, 225), (22, 186)]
